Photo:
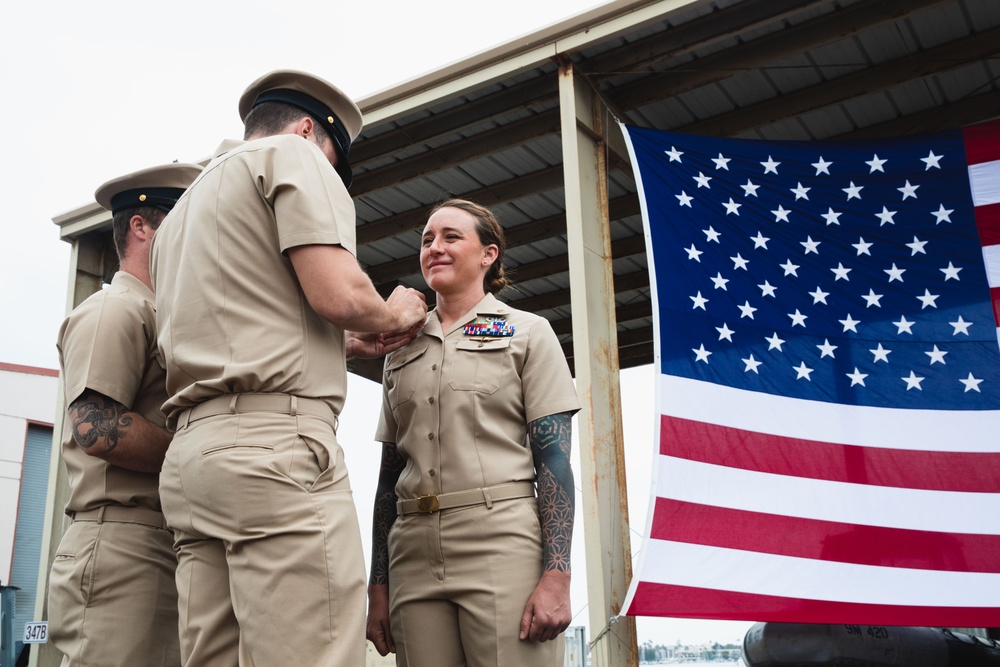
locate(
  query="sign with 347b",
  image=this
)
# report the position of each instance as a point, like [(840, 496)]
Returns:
[(36, 633)]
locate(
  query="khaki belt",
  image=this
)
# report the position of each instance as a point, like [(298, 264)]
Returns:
[(119, 514), (234, 404), (484, 496)]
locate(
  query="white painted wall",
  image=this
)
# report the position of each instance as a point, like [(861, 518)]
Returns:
[(26, 394)]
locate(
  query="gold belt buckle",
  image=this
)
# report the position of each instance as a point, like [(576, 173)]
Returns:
[(427, 504)]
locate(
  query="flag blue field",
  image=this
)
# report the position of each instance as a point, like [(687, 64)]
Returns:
[(829, 385)]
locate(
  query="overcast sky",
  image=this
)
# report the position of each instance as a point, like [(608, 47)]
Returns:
[(95, 90)]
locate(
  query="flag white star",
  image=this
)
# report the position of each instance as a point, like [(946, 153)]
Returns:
[(732, 208), (819, 296), (767, 289), (951, 272), (881, 354), (912, 382), (876, 164), (832, 217), (800, 192), (826, 350), (746, 310), (822, 167), (931, 161), (702, 180), (781, 215), (857, 377), (721, 162), (850, 324), (909, 190), (798, 319), (937, 356), (750, 190), (810, 245), (971, 384), (802, 371), (841, 272), (916, 246), (720, 282), (711, 234), (739, 262), (872, 298), (751, 365), (904, 325), (790, 269), (774, 342), (961, 326), (725, 332), (853, 192), (862, 246), (759, 241), (675, 155), (942, 214), (701, 354), (895, 273), (770, 167), (886, 217), (684, 199), (928, 299), (699, 301), (694, 253)]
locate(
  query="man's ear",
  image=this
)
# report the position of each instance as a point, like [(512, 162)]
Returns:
[(140, 228)]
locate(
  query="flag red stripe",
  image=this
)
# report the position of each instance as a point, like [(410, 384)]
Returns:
[(988, 224), (688, 602), (692, 523), (736, 448), (995, 299), (982, 142)]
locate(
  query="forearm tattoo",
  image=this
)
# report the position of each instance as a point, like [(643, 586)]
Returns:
[(98, 419), (384, 512), (550, 446)]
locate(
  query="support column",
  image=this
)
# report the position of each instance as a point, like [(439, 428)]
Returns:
[(86, 271), (595, 354)]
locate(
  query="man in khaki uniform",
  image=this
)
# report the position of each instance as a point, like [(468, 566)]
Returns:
[(256, 284), (112, 599)]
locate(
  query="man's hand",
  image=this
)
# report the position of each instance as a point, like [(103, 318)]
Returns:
[(373, 346), (410, 305), (378, 619), (547, 612)]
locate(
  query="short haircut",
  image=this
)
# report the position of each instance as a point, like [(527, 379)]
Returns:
[(270, 118), (120, 224)]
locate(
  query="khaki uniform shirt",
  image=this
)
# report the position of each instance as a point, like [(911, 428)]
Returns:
[(458, 407), (231, 315), (108, 345)]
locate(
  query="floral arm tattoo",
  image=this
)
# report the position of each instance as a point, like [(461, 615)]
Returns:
[(384, 512), (549, 438), (97, 419)]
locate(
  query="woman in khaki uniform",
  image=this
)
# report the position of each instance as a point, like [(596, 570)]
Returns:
[(468, 568)]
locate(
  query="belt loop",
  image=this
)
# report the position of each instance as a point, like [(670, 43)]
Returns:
[(293, 408), (489, 498), (100, 513), (232, 404)]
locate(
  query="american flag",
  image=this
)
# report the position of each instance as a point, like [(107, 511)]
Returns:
[(829, 389)]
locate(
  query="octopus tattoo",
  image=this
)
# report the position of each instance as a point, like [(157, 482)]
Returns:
[(97, 418)]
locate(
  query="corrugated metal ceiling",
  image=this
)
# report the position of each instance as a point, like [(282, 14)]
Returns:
[(774, 69)]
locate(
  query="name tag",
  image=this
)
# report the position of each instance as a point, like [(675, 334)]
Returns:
[(36, 633)]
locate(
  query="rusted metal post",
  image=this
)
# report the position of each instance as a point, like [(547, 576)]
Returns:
[(595, 354)]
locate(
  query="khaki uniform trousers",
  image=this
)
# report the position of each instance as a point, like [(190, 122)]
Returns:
[(270, 566), (112, 599), (458, 583)]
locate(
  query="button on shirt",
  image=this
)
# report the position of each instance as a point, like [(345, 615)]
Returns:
[(457, 405)]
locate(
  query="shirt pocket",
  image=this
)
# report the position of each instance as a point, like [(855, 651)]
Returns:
[(402, 372), (479, 365)]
